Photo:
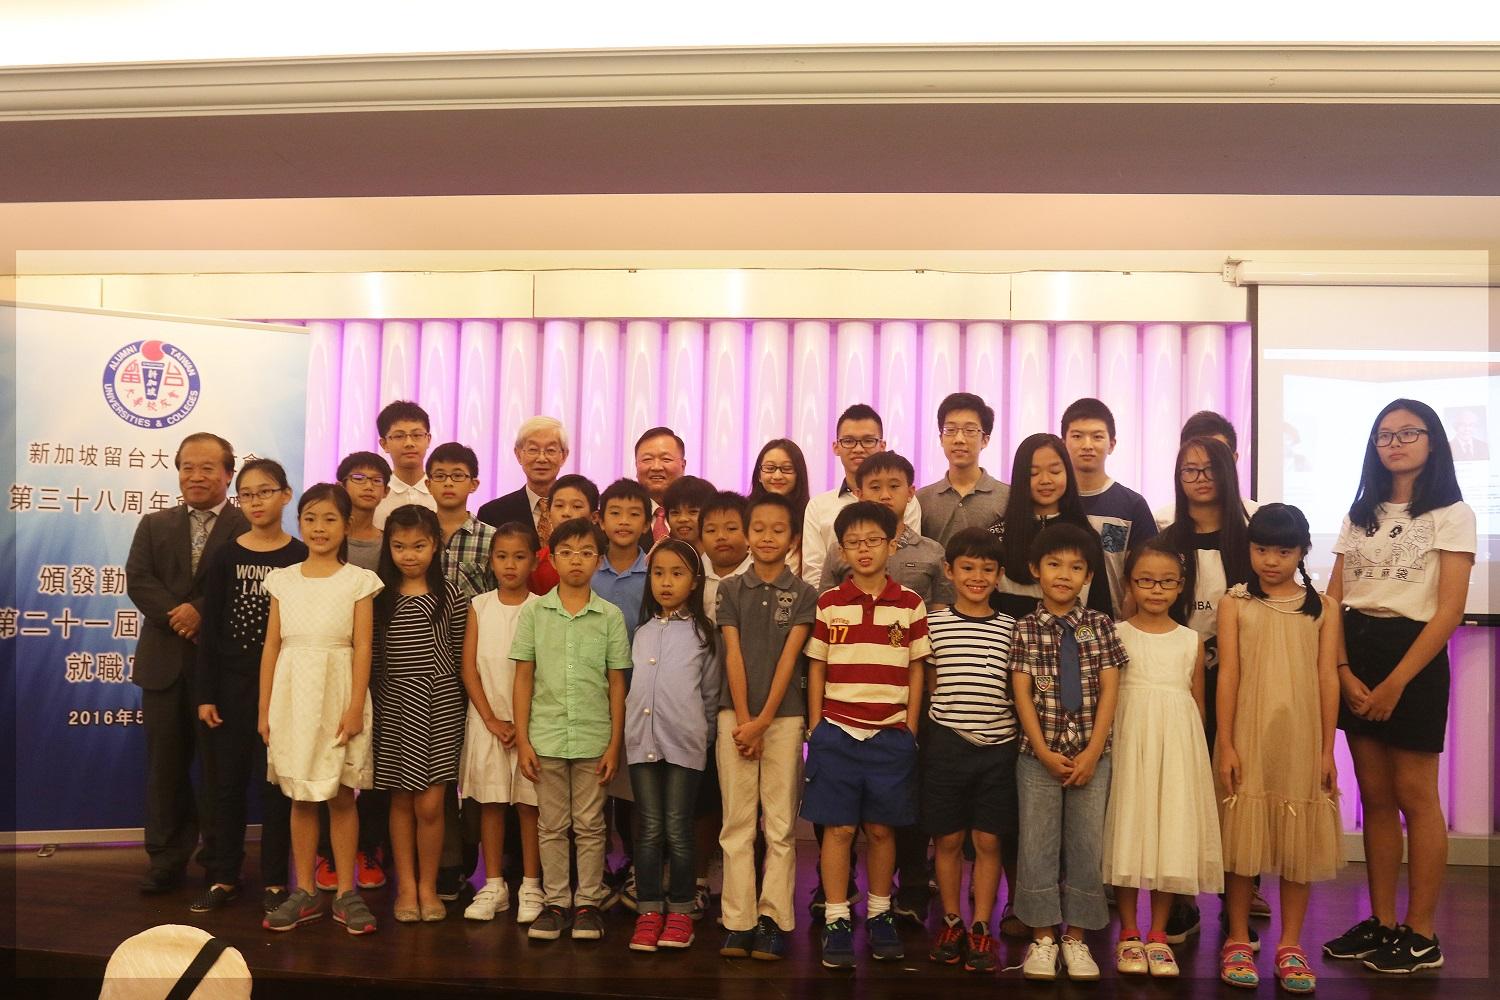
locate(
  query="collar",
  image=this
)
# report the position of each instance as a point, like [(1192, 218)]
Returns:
[(469, 526), (907, 536), (986, 484), (712, 574), (785, 581), (1108, 482), (848, 591), (401, 487), (215, 510), (1047, 619), (639, 566), (553, 601), (844, 489), (532, 499), (680, 615)]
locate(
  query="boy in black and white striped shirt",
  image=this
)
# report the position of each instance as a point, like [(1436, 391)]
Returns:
[(969, 754)]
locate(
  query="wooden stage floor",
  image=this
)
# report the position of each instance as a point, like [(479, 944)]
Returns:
[(73, 908)]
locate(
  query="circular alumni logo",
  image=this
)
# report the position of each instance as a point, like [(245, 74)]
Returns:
[(151, 384)]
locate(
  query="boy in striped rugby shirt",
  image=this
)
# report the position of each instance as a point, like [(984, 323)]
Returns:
[(864, 696)]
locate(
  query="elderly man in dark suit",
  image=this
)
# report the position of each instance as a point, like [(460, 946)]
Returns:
[(164, 576), (541, 449)]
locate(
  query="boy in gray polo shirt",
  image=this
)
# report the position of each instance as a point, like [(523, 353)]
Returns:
[(765, 615)]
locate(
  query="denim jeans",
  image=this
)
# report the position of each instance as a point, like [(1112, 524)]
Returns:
[(1064, 824), (665, 797)]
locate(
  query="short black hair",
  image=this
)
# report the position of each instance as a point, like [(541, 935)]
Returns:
[(973, 543), (967, 401), (866, 512), (885, 461), (364, 460), (401, 409), (575, 481), (687, 491), (1063, 536), (724, 500), (1088, 408), (778, 501), (202, 437), (1207, 423), (626, 489), (266, 466), (455, 452), (660, 432), (860, 411), (515, 529), (578, 527)]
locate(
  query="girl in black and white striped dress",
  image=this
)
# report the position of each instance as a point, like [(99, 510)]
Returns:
[(419, 701)]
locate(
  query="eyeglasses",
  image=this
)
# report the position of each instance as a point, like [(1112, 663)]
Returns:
[(1193, 473), (1145, 584), (456, 478), (415, 437), (850, 443), (570, 554), (531, 452), (966, 431), (245, 496), (1406, 435), (770, 469), (860, 544), (363, 478)]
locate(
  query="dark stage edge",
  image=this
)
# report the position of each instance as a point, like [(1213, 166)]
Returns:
[(73, 908)]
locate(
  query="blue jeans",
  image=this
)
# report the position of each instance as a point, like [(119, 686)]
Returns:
[(1067, 825), (665, 798)]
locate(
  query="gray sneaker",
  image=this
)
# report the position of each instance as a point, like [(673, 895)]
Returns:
[(549, 924), (351, 911), (588, 924), (300, 907)]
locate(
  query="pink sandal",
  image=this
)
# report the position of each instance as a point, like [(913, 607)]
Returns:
[(1237, 966), (1293, 971)]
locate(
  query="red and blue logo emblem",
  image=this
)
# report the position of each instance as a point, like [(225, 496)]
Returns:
[(151, 384)]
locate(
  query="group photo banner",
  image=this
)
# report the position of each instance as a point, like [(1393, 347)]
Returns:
[(101, 401)]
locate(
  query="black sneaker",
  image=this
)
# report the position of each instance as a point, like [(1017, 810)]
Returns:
[(737, 944), (951, 946), (550, 925), (1360, 941), (214, 897), (770, 941), (1183, 920), (450, 883), (912, 907), (1406, 951), (272, 898)]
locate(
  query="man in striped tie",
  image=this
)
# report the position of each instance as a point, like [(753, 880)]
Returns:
[(660, 460)]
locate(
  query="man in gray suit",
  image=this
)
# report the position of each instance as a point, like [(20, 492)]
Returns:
[(164, 576)]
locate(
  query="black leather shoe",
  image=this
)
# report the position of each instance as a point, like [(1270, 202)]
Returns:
[(160, 880)]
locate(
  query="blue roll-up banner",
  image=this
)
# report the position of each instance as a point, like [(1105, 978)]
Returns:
[(101, 402)]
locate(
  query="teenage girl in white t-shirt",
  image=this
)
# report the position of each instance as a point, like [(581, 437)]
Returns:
[(1404, 556)]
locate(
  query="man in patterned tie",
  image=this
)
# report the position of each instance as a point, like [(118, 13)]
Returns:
[(660, 460), (541, 449), (164, 580)]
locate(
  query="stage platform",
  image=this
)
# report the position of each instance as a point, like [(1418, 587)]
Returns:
[(73, 908)]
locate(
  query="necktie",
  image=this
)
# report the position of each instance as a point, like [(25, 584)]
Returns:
[(543, 520), (200, 520), (659, 524), (1069, 675)]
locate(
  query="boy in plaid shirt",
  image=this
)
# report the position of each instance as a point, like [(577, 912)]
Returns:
[(1063, 662)]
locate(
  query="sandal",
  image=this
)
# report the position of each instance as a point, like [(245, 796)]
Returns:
[(1160, 961), (1293, 971), (1130, 957), (1237, 966)]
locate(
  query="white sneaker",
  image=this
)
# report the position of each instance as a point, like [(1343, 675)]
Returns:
[(1041, 959), (492, 899), (531, 901), (1076, 957)]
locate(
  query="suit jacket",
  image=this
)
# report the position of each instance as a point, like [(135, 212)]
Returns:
[(159, 576), (511, 507)]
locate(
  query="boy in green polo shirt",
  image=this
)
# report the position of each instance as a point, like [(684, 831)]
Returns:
[(571, 652)]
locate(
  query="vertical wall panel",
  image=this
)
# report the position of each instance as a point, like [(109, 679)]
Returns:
[(854, 365), (562, 351), (1241, 397), (438, 377), (1471, 751), (599, 403), (1205, 360), (723, 387), (325, 361), (812, 401), (1161, 406), (766, 393), (942, 359), (478, 373), (897, 388), (1120, 390), (640, 379), (984, 376), (400, 341), (1074, 364), (360, 387), (516, 400), (1029, 380), (683, 405)]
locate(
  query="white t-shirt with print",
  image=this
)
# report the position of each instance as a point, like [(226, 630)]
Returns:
[(1393, 570)]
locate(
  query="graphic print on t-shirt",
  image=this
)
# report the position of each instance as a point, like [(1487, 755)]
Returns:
[(1396, 550)]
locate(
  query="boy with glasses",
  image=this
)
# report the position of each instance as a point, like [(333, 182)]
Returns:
[(405, 432), (365, 476), (966, 496)]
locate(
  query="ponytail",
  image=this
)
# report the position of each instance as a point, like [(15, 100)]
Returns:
[(1313, 604)]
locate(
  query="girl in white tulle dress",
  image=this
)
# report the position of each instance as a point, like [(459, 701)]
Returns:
[(1161, 828)]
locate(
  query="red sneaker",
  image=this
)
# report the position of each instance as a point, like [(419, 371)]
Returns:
[(647, 932), (324, 877), (679, 931), (367, 871)]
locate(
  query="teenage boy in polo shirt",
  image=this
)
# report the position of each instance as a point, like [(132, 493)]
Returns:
[(571, 655), (405, 431), (864, 694), (624, 512), (966, 496)]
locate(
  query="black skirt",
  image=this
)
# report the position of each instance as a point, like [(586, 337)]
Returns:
[(1420, 720)]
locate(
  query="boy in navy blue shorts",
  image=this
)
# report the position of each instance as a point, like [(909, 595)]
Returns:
[(864, 695)]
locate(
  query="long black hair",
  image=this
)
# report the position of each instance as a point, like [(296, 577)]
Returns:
[(1436, 485), (1234, 542), (410, 516), (1021, 523), (267, 467), (1282, 526), (339, 497), (800, 494), (650, 607)]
